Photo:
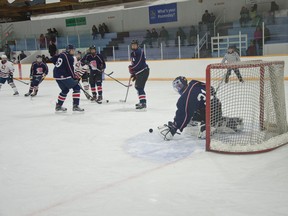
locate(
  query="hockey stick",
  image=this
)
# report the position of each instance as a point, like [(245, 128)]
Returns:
[(21, 81), (129, 84), (216, 90), (87, 94)]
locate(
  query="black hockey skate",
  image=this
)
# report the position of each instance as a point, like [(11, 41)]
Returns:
[(99, 99), (141, 106), (59, 108), (34, 93), (27, 94), (76, 108), (16, 93)]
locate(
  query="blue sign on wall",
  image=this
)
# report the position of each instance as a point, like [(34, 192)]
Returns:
[(163, 13)]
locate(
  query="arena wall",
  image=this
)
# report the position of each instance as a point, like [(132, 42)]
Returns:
[(161, 70)]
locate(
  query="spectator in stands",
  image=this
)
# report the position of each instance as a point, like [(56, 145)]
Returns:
[(101, 30), (192, 36), (180, 33), (212, 18), (54, 33), (258, 39), (163, 36), (106, 29), (206, 17), (274, 7), (254, 15), (21, 56), (94, 32), (267, 35), (251, 50), (147, 39), (7, 51), (42, 41), (154, 35), (52, 48), (244, 16)]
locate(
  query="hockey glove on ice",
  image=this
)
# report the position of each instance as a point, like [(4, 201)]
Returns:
[(168, 130)]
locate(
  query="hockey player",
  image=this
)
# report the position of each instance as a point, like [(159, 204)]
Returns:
[(232, 57), (67, 79), (191, 108), (84, 69), (38, 72), (6, 73), (139, 71), (97, 66)]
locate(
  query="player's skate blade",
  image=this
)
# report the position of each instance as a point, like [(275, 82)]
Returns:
[(77, 109), (60, 109)]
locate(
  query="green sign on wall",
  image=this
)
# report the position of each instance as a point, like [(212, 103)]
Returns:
[(76, 21)]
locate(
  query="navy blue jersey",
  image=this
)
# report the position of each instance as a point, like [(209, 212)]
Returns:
[(64, 67), (38, 68), (96, 62), (138, 61), (192, 100)]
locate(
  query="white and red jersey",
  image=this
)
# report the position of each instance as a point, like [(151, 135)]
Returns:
[(6, 69)]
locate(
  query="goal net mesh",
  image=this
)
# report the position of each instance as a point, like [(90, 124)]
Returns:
[(253, 115)]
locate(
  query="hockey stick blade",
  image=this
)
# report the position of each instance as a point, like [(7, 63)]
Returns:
[(21, 81)]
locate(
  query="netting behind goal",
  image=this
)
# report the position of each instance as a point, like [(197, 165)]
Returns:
[(253, 112)]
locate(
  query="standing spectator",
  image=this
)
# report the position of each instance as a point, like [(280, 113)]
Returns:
[(7, 51), (254, 15), (163, 36), (42, 41), (52, 49), (21, 56), (94, 32), (274, 7), (212, 18), (54, 33), (251, 50), (192, 36), (267, 35), (180, 33), (154, 35), (258, 39), (244, 16), (101, 30), (206, 17), (148, 39), (231, 57), (106, 29)]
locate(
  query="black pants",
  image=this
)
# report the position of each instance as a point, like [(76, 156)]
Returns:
[(140, 83), (236, 71)]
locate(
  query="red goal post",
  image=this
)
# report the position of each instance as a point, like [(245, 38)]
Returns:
[(258, 103)]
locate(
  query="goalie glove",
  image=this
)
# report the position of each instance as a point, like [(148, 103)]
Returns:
[(167, 131)]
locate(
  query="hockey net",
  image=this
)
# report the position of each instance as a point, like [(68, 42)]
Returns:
[(254, 111)]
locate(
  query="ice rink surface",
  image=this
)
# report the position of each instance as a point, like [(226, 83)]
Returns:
[(105, 162)]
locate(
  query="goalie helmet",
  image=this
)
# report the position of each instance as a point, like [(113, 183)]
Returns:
[(180, 84)]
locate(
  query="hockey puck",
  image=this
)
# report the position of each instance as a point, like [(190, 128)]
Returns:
[(150, 130), (107, 101)]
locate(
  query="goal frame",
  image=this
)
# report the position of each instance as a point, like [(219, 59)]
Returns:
[(257, 63)]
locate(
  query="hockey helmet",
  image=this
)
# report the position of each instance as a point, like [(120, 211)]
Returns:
[(70, 47), (180, 83), (134, 42), (39, 58), (92, 47), (3, 57)]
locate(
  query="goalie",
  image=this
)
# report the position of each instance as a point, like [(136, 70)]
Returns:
[(191, 108)]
